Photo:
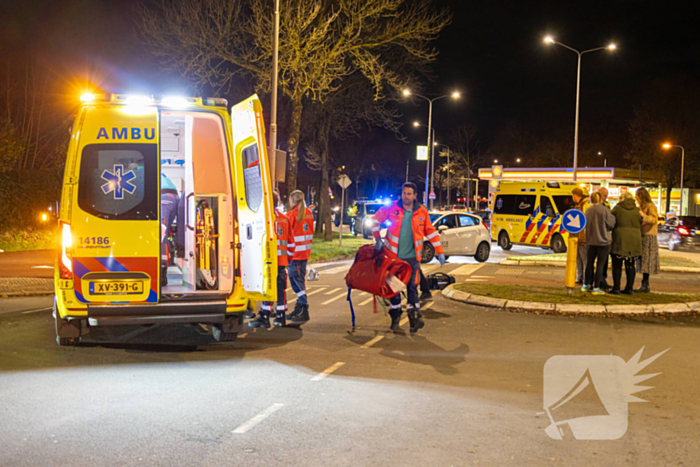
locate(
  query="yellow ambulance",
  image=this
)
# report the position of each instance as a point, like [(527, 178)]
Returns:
[(166, 215), (530, 213)]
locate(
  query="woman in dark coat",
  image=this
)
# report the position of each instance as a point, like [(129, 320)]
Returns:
[(626, 242)]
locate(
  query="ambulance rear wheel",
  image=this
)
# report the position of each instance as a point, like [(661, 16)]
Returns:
[(558, 245), (428, 253), (504, 241)]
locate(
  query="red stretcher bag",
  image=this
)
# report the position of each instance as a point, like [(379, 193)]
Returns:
[(371, 269)]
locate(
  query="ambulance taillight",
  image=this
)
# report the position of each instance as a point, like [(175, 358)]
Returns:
[(65, 262)]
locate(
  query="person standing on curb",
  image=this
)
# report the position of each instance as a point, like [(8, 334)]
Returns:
[(650, 245), (283, 233), (408, 224), (626, 242), (604, 286), (581, 200), (599, 224), (301, 223)]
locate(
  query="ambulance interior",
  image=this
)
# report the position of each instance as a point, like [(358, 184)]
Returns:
[(197, 205)]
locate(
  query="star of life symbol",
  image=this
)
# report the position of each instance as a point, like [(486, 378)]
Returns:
[(587, 396), (118, 182)]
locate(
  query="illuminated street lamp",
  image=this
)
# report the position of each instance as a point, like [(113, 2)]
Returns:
[(454, 95), (668, 146), (517, 160), (551, 40), (495, 161)]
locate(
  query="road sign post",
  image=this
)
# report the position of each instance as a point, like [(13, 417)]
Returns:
[(574, 222), (344, 182)]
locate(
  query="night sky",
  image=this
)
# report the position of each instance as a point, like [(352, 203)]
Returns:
[(492, 52)]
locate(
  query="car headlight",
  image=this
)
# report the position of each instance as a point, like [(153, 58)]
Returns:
[(368, 222)]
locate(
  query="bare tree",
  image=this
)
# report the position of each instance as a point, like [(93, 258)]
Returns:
[(340, 117), (321, 43)]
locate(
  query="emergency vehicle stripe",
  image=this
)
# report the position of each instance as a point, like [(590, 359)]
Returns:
[(523, 239), (539, 232), (552, 229)]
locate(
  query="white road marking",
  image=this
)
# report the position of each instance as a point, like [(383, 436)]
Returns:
[(372, 342), (327, 371), (363, 293), (257, 419), (335, 270), (308, 294), (344, 294), (431, 268), (429, 304), (367, 301), (42, 267), (403, 321), (37, 310), (241, 336), (474, 280), (332, 291), (466, 270)]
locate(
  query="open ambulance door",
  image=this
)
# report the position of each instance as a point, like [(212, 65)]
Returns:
[(258, 253)]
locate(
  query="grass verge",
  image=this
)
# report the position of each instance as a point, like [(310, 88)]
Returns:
[(29, 239), (559, 295), (665, 259), (323, 251)]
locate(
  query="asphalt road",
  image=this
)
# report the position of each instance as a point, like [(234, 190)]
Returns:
[(466, 390)]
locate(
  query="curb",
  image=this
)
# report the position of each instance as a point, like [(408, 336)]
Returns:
[(26, 293), (562, 264), (571, 309)]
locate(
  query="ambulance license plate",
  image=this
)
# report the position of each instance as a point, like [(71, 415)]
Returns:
[(116, 288)]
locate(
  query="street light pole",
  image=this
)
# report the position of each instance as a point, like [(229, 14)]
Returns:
[(669, 146), (578, 89), (273, 110), (448, 166), (455, 95)]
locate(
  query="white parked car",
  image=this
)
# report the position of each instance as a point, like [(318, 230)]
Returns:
[(461, 234)]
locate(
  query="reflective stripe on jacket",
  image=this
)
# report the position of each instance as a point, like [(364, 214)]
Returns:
[(420, 222), (283, 232), (302, 232)]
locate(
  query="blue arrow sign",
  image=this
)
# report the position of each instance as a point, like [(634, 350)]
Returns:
[(574, 221)]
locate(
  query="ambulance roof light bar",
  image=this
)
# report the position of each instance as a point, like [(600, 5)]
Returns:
[(142, 100)]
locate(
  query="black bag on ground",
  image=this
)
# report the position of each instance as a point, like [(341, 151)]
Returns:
[(439, 280)]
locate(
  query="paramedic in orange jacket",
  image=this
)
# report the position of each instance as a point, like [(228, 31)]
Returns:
[(301, 222), (408, 223), (283, 232)]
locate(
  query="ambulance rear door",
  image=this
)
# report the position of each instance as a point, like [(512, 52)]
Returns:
[(258, 248), (114, 220)]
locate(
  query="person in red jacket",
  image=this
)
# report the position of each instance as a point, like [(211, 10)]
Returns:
[(283, 232), (301, 222), (408, 224)]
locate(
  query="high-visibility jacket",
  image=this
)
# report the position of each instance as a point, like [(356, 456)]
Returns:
[(284, 238), (303, 233), (420, 222)]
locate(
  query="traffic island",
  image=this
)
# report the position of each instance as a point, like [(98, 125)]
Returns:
[(554, 300), (668, 261)]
